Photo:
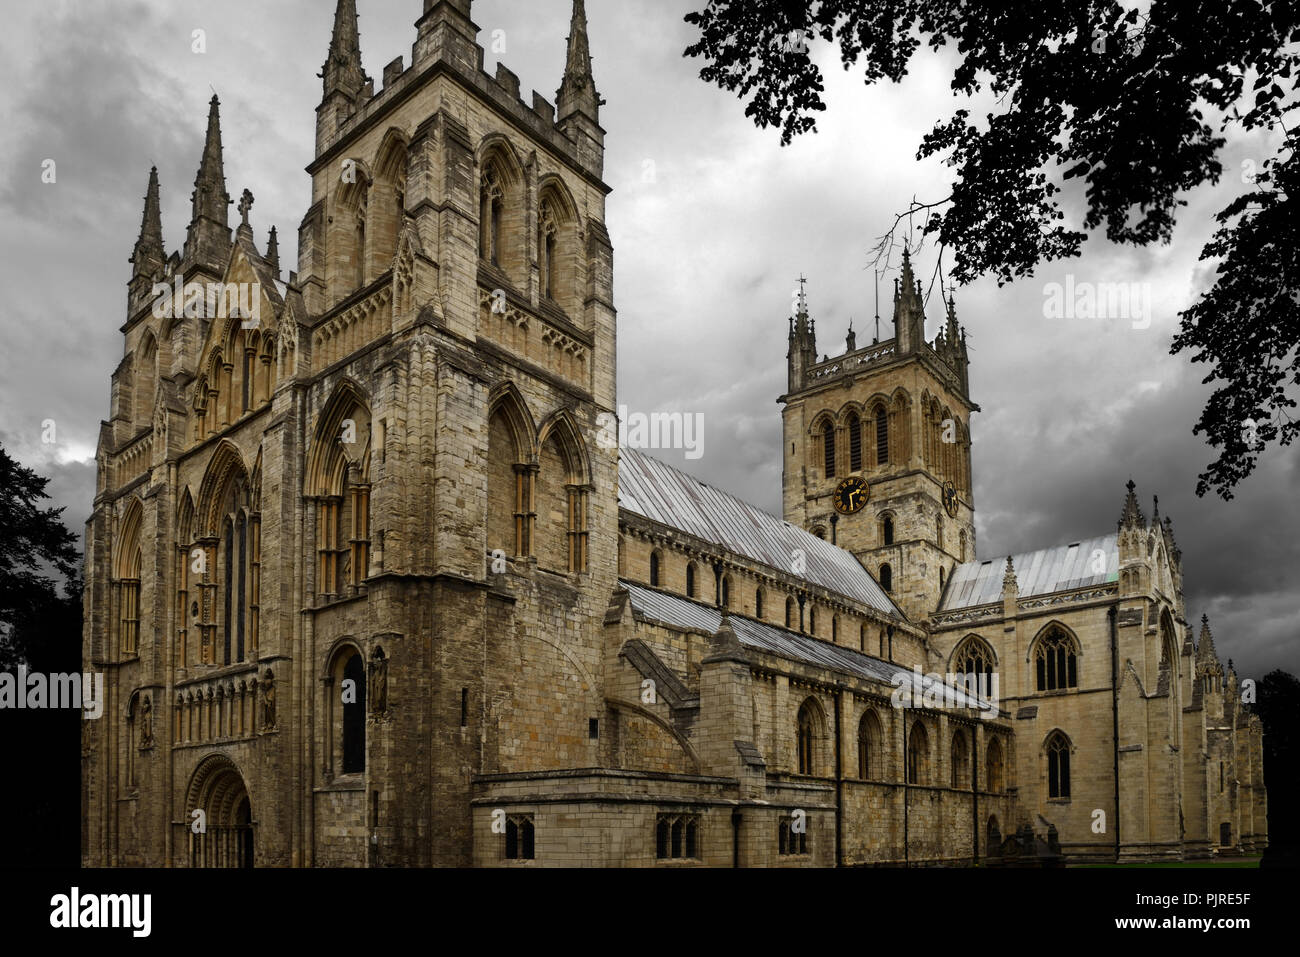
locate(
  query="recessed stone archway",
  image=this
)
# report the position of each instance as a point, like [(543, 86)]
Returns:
[(222, 836)]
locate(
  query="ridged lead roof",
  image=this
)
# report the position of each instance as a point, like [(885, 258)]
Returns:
[(670, 497), (1043, 572), (648, 603)]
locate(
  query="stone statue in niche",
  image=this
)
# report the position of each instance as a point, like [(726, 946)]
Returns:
[(268, 701), (378, 682), (146, 724)]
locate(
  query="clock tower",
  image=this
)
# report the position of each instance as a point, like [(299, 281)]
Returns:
[(876, 452)]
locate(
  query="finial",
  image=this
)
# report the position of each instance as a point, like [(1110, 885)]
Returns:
[(273, 251), (245, 204)]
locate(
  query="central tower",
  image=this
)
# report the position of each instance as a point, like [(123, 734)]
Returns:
[(890, 422)]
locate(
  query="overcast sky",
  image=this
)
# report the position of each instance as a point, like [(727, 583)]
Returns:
[(712, 222)]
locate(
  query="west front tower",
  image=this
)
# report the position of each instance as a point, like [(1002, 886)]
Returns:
[(887, 426)]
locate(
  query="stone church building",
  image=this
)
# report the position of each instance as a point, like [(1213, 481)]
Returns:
[(368, 590)]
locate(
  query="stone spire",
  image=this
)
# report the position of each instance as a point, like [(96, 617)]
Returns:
[(342, 71), (210, 198), (272, 256), (149, 255), (577, 93), (207, 241), (1132, 515)]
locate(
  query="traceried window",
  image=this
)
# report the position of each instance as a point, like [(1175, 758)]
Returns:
[(1055, 662), (974, 657), (677, 836), (1058, 766)]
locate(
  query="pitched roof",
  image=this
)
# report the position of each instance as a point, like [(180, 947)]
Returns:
[(649, 604), (1043, 572), (670, 497)]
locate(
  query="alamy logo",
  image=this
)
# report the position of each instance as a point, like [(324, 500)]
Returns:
[(976, 690), (102, 910), (654, 430), (36, 690), (1098, 300), (196, 300)]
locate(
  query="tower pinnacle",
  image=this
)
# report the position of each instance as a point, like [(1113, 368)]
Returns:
[(577, 93), (149, 252), (342, 71), (207, 240)]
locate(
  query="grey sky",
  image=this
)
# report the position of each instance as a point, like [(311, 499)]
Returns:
[(712, 221)]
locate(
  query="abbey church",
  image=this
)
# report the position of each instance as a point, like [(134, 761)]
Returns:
[(368, 591)]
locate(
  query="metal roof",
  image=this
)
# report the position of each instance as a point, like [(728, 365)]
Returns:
[(1043, 572), (670, 497), (651, 604)]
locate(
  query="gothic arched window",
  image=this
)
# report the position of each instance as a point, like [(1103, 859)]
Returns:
[(855, 442), (1055, 661), (974, 656), (828, 449), (960, 764), (490, 200), (881, 418), (918, 755), (869, 736), (993, 767), (886, 578), (546, 249), (353, 702), (806, 739), (1058, 765)]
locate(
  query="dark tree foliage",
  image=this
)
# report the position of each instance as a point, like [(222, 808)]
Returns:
[(1277, 705), (1134, 105), (39, 628), (35, 546)]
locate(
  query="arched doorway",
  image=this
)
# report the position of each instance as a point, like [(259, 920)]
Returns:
[(222, 836)]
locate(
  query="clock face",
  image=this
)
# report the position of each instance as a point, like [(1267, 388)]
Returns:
[(851, 495), (950, 499)]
